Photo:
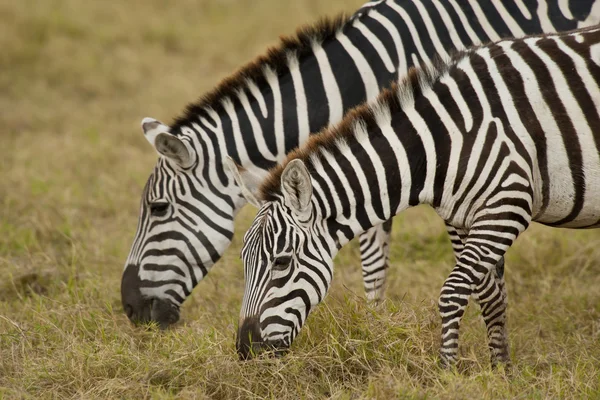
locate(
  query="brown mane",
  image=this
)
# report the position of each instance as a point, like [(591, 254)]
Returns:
[(395, 97), (275, 58)]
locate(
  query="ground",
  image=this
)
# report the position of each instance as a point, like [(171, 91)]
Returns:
[(76, 79)]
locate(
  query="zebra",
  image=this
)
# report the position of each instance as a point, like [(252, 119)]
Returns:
[(494, 138), (268, 108)]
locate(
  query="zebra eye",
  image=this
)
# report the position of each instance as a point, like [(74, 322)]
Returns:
[(159, 209), (281, 263)]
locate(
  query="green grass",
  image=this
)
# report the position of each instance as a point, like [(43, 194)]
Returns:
[(77, 77)]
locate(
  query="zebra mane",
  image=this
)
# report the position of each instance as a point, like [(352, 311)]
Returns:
[(399, 95), (275, 59)]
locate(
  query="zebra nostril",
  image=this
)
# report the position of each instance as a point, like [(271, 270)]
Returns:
[(129, 311)]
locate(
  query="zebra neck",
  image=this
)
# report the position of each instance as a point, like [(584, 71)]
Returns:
[(378, 171), (263, 120), (268, 115)]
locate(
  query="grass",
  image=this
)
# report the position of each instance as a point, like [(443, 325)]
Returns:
[(77, 77)]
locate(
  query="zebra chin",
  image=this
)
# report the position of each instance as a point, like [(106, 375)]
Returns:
[(250, 344), (141, 309)]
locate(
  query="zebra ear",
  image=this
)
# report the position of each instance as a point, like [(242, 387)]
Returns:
[(246, 180), (296, 186), (165, 143)]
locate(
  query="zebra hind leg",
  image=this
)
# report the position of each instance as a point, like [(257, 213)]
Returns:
[(497, 334), (374, 251)]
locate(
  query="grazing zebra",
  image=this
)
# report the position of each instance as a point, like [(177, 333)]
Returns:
[(269, 107), (497, 137)]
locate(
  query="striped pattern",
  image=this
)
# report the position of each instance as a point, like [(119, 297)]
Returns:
[(499, 136), (269, 107)]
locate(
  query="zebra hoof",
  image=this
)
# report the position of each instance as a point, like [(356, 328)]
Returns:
[(501, 362), (446, 362)]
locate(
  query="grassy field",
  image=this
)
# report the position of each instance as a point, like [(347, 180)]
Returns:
[(76, 77)]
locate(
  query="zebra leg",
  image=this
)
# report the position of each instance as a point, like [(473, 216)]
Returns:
[(374, 253), (491, 297), (475, 274), (497, 338), (457, 239)]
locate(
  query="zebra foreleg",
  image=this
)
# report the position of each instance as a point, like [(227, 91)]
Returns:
[(476, 273), (497, 338), (491, 297), (374, 253)]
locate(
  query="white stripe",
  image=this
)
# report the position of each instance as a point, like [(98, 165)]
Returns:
[(557, 156), (509, 107), (332, 91), (379, 47), (523, 8), (455, 93), (235, 125), (514, 27), (477, 148), (402, 61), (433, 35), (259, 97), (458, 44), (161, 292), (422, 130), (384, 122), (301, 106), (412, 29), (514, 178), (273, 81), (347, 152), (371, 4), (257, 132), (465, 21), (589, 150), (563, 6), (483, 21), (542, 13), (318, 191), (352, 221), (366, 73), (362, 136), (456, 137)]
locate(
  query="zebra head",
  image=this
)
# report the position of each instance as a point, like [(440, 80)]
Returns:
[(287, 258), (185, 224)]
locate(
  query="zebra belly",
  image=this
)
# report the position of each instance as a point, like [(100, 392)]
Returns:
[(574, 191)]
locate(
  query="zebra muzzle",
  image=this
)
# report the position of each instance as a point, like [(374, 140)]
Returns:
[(249, 342), (141, 309)]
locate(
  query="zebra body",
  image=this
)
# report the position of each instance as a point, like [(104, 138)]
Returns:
[(500, 136), (269, 107)]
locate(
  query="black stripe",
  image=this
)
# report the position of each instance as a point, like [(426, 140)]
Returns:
[(316, 98), (346, 74), (565, 125)]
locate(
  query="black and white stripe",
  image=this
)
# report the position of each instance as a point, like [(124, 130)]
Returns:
[(497, 137), (270, 107)]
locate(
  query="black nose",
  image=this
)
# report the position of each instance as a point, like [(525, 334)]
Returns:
[(140, 309), (249, 341)]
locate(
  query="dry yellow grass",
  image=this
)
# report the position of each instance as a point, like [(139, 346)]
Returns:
[(76, 78)]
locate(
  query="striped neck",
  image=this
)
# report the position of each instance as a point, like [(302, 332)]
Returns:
[(381, 159), (380, 171), (271, 106)]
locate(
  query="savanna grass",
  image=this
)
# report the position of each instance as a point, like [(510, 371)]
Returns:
[(77, 77)]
